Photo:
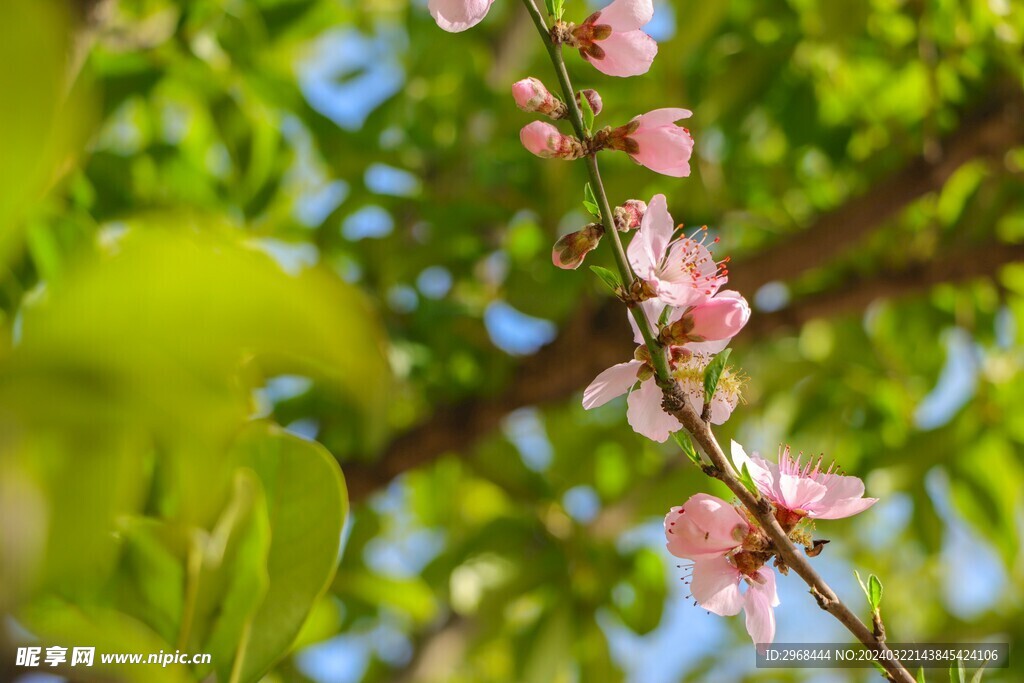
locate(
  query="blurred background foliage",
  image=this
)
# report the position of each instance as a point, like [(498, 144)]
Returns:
[(243, 241)]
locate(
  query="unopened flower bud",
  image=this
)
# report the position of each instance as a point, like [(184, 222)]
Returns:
[(630, 214), (547, 142), (593, 99), (531, 96), (570, 250), (721, 317)]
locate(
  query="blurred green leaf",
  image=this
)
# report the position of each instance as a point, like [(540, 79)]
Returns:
[(307, 505)]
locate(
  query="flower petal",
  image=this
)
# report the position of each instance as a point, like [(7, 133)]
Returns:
[(665, 116), (628, 53), (842, 508), (627, 15), (798, 493), (458, 15), (758, 606), (704, 526), (716, 586), (646, 416), (647, 248), (615, 381)]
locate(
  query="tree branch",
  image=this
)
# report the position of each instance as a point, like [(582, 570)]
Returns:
[(560, 368)]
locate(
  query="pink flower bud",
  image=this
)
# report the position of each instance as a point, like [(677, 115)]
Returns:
[(630, 214), (569, 250), (547, 142), (593, 99), (704, 527), (531, 96), (721, 317), (655, 141)]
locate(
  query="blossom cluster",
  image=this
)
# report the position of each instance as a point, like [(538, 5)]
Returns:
[(728, 552), (678, 294)]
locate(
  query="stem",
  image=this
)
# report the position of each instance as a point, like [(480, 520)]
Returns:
[(658, 358), (698, 428)]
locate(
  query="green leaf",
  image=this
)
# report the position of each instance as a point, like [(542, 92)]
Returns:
[(307, 505), (588, 115), (976, 678), (874, 592), (713, 373), (590, 202), (232, 579), (607, 277), (683, 439), (87, 625), (550, 5), (748, 481), (920, 675), (957, 673)]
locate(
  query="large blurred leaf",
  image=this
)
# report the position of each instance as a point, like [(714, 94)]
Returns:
[(307, 505)]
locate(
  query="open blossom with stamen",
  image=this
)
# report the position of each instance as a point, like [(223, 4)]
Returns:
[(643, 405), (644, 412), (681, 272), (612, 41), (690, 376), (458, 15), (801, 490), (715, 585), (655, 141), (712, 534)]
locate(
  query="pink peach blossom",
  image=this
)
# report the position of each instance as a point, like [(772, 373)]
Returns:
[(643, 405), (681, 272), (704, 526), (803, 490), (689, 373), (612, 41), (458, 15), (655, 141), (715, 586)]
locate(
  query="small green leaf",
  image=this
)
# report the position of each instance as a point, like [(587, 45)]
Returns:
[(748, 480), (920, 674), (957, 674), (588, 114), (550, 5), (559, 6), (607, 277), (663, 318), (590, 201), (713, 373), (976, 678), (683, 439), (874, 592)]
